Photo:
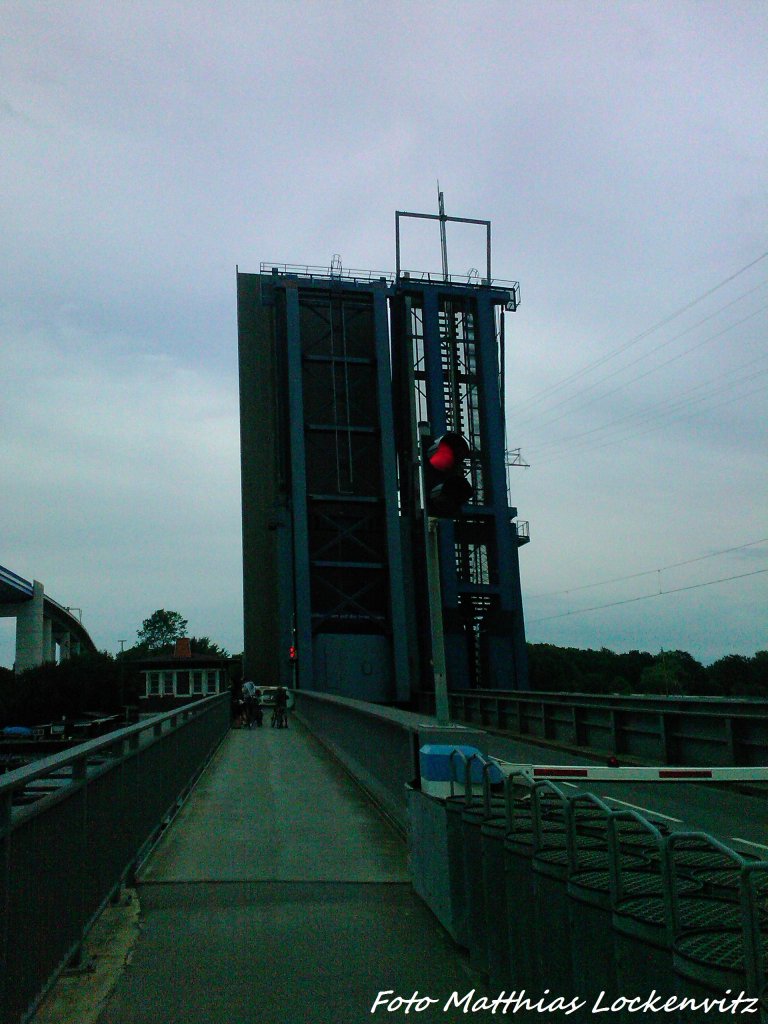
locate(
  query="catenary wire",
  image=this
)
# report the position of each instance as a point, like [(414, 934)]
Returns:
[(663, 408), (655, 369), (651, 572), (645, 333), (642, 358), (580, 450), (646, 597)]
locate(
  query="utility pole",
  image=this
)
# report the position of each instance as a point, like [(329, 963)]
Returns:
[(122, 676), (434, 592)]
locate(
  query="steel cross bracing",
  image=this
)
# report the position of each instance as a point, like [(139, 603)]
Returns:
[(342, 393), (345, 540)]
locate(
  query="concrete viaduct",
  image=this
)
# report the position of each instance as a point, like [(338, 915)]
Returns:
[(42, 624)]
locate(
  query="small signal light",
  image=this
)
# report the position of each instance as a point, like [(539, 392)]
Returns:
[(447, 489), (293, 654)]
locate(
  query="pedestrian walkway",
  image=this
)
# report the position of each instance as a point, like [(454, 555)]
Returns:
[(280, 895)]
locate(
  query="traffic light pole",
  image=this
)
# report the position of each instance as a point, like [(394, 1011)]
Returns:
[(435, 594), (436, 618)]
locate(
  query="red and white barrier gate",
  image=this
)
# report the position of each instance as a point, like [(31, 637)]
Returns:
[(603, 773)]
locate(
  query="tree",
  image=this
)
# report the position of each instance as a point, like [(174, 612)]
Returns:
[(735, 674), (204, 645), (87, 682), (673, 673), (161, 628)]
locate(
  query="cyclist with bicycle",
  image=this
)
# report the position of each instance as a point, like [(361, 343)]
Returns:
[(280, 714)]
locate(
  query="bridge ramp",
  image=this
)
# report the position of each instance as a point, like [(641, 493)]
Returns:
[(280, 895)]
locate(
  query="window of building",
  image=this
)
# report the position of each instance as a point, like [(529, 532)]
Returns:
[(197, 682), (182, 684), (213, 681), (168, 683), (153, 683)]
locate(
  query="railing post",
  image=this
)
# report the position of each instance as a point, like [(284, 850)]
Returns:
[(80, 775), (615, 729), (664, 739), (6, 803), (730, 726), (544, 720), (519, 717)]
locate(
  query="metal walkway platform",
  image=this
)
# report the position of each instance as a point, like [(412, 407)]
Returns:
[(279, 894)]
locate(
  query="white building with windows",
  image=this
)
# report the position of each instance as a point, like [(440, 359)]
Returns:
[(179, 678)]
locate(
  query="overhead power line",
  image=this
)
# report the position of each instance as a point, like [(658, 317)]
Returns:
[(646, 597), (642, 359), (664, 408), (645, 333), (665, 422), (652, 572)]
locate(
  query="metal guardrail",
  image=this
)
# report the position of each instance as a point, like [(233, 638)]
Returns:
[(635, 906), (377, 745), (327, 273), (630, 903), (339, 273), (76, 825), (669, 730), (14, 580)]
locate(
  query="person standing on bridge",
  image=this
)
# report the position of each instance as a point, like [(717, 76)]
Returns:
[(249, 696), (280, 717)]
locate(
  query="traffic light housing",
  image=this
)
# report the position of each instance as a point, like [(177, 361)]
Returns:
[(446, 489)]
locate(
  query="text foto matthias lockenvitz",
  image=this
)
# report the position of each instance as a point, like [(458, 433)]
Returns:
[(388, 1001)]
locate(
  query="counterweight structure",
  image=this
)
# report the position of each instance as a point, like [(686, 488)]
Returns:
[(333, 554)]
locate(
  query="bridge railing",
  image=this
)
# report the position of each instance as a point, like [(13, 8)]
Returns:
[(559, 890), (710, 731), (15, 581), (379, 746), (76, 825), (549, 888)]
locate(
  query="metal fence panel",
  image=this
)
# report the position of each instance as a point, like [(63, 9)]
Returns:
[(73, 827), (671, 730)]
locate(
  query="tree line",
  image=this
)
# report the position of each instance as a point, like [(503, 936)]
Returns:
[(93, 681), (671, 673), (101, 682)]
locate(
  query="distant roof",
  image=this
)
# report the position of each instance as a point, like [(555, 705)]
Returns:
[(180, 656), (170, 661)]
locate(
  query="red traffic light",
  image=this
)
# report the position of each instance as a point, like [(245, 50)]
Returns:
[(447, 452), (446, 488), (293, 654), (444, 458)]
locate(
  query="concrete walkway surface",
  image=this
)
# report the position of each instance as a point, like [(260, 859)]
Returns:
[(280, 895)]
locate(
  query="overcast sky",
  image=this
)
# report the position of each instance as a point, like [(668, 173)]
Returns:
[(619, 150)]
